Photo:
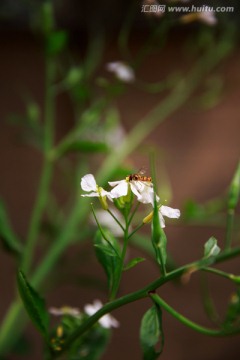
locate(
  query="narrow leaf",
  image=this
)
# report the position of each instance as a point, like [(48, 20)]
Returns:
[(7, 236), (107, 250), (34, 304), (151, 333), (133, 263), (211, 248)]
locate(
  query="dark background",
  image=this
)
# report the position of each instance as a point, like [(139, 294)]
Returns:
[(200, 149)]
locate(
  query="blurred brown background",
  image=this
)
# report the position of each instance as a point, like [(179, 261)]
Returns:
[(200, 148)]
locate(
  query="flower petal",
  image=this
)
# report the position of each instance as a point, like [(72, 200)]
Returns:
[(120, 190), (162, 221), (170, 212), (144, 191), (88, 183), (92, 194), (115, 183)]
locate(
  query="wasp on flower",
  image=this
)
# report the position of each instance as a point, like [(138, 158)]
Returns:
[(138, 184)]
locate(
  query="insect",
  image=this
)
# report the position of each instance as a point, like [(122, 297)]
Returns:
[(139, 177)]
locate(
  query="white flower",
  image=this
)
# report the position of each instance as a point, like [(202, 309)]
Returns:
[(207, 17), (169, 212), (121, 70), (143, 190), (107, 321), (65, 310), (88, 183)]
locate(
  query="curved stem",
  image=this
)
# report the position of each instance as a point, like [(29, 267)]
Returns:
[(193, 325), (136, 229), (120, 266), (220, 273), (146, 292)]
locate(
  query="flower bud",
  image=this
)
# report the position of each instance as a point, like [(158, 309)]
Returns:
[(103, 202), (234, 190), (148, 218)]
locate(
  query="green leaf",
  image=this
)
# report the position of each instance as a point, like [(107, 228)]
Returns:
[(86, 147), (56, 42), (104, 252), (34, 304), (106, 249), (151, 333), (9, 239), (133, 263), (211, 248)]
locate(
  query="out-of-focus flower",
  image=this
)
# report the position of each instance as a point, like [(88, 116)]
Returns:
[(163, 211), (65, 310), (107, 321), (88, 183), (115, 136), (143, 190), (206, 17), (121, 70), (106, 220)]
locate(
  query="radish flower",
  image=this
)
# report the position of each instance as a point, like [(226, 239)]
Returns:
[(143, 190), (121, 70), (88, 183), (163, 211)]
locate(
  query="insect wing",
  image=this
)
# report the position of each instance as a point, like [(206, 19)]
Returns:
[(142, 171)]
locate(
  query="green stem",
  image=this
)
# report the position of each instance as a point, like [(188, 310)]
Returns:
[(120, 265), (60, 245), (133, 213), (135, 230), (12, 320), (194, 326), (219, 273), (229, 228), (116, 219), (46, 176), (145, 292)]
